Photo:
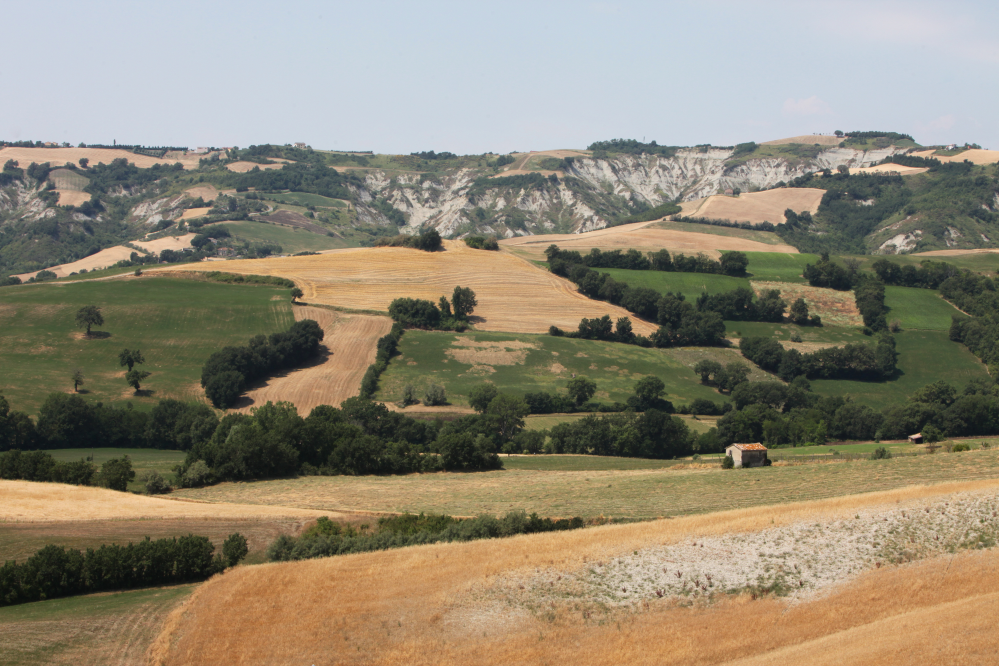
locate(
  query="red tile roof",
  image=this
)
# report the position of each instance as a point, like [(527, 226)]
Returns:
[(750, 447)]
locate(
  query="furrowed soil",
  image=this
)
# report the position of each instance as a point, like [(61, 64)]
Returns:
[(680, 490), (869, 569), (513, 295), (642, 236), (757, 207), (349, 348)]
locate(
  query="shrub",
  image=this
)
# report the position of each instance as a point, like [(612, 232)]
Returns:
[(727, 462), (931, 434), (408, 395), (961, 447), (154, 482), (116, 474), (880, 453), (234, 549), (197, 475), (435, 396)]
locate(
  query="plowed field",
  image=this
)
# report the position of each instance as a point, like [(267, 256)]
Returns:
[(350, 348), (513, 295), (757, 207), (641, 236)]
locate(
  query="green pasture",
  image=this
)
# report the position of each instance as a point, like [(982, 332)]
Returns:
[(547, 421), (143, 460), (176, 323), (919, 308), (303, 199), (767, 237), (546, 364), (923, 358), (67, 179), (778, 266), (691, 285), (838, 335), (291, 239)]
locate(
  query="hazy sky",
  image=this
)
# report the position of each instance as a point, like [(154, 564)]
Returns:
[(472, 76)]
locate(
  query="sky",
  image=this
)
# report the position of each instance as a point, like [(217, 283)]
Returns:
[(475, 77)]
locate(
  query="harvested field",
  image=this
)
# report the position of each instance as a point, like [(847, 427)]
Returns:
[(513, 295), (166, 243), (350, 347), (102, 259), (954, 253), (808, 139), (59, 156), (103, 629), (837, 308), (757, 207), (191, 213), (641, 236), (975, 156), (676, 491), (495, 601), (243, 167), (206, 192), (72, 197), (28, 501), (890, 169)]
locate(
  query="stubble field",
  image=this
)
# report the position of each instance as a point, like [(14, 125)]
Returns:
[(757, 207)]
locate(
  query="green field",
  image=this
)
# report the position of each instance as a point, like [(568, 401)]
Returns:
[(305, 199), (94, 629), (545, 364), (547, 421), (290, 239), (691, 285), (923, 358), (983, 262), (919, 308), (838, 335), (143, 460), (767, 237), (778, 266), (176, 323)]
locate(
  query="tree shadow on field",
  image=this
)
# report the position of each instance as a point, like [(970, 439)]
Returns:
[(245, 401), (97, 335), (475, 319), (144, 393)]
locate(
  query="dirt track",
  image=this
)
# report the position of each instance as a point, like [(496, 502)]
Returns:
[(351, 343)]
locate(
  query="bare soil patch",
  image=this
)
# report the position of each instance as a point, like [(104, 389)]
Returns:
[(206, 192), (468, 351), (838, 308), (513, 294), (166, 243), (757, 207), (350, 347)]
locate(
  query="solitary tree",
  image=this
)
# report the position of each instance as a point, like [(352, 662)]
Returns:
[(135, 378), (116, 473), (507, 414), (296, 294), (234, 549), (480, 397), (89, 315), (77, 379), (84, 162), (649, 389), (463, 301), (843, 169), (581, 389), (130, 358), (799, 312)]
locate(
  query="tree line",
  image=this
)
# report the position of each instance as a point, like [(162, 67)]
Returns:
[(55, 572), (561, 262), (444, 315), (228, 371), (428, 241), (868, 289), (852, 361)]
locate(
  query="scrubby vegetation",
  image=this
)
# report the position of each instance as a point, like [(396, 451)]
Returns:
[(428, 241)]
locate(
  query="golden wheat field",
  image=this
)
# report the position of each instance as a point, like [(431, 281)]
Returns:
[(640, 236), (243, 167), (513, 294), (206, 192), (436, 604), (166, 243), (757, 207), (351, 344), (102, 259), (72, 197), (30, 501), (890, 169), (60, 156), (974, 155)]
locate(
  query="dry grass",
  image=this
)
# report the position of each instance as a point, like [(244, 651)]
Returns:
[(809, 139), (757, 207), (26, 501), (206, 192), (975, 156), (243, 167), (351, 344), (102, 259), (838, 308), (430, 605), (890, 169), (952, 253), (192, 213), (641, 237), (59, 156), (72, 197), (166, 243), (513, 294)]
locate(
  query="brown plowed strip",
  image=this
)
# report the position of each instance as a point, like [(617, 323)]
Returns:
[(351, 347), (513, 294)]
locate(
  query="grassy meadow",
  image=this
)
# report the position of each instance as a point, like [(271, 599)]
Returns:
[(691, 285), (520, 364), (919, 308), (291, 239), (176, 323), (768, 237), (625, 493), (143, 460)]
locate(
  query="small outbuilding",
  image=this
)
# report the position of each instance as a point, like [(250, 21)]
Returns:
[(747, 455), (916, 439)]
